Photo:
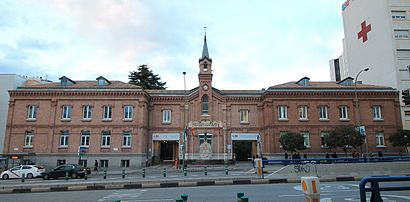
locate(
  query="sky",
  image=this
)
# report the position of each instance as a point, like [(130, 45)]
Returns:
[(253, 44)]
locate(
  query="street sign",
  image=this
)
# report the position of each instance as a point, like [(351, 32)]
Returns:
[(362, 130)]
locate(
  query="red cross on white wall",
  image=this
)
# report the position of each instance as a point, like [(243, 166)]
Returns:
[(364, 30)]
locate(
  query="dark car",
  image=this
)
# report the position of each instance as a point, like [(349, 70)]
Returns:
[(74, 171)]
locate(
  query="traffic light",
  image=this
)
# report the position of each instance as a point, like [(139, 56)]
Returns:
[(406, 96)]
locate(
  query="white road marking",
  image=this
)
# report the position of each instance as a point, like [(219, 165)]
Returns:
[(277, 171), (123, 194)]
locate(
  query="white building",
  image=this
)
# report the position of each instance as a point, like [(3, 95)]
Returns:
[(377, 37)]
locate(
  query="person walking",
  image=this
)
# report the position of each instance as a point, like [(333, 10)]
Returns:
[(96, 165)]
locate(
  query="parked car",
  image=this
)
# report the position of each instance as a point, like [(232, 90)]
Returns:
[(29, 171), (74, 171)]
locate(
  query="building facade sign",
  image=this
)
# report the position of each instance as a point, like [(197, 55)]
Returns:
[(245, 136), (205, 124), (165, 136)]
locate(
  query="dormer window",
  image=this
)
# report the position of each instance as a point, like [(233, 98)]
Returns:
[(65, 81), (101, 81), (205, 67), (346, 82), (304, 81)]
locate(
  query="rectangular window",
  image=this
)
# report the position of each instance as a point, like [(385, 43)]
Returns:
[(205, 137), (323, 115), (398, 15), (128, 112), (125, 163), (244, 115), (401, 34), (105, 139), (126, 139), (87, 112), (303, 112), (380, 139), (377, 113), (107, 114), (32, 112), (28, 139), (343, 112), (66, 112), (283, 112), (323, 137), (85, 138), (166, 116), (104, 163), (83, 163), (306, 138), (64, 138)]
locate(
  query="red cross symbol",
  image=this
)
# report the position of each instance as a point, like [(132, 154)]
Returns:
[(364, 31)]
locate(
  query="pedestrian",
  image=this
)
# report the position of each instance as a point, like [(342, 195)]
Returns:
[(95, 165), (334, 155), (327, 155), (298, 155), (253, 161), (379, 154), (305, 156), (286, 155)]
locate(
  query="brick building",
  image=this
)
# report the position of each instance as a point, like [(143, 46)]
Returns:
[(119, 124)]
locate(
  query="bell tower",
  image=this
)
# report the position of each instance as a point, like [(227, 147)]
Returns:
[(205, 81)]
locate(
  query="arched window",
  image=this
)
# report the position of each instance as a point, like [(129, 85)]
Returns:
[(205, 104)]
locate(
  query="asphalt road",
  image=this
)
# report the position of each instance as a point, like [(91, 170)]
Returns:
[(332, 191)]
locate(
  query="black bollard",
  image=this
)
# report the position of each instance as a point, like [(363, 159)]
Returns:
[(66, 175), (143, 173), (165, 172), (23, 177), (184, 197), (123, 172), (105, 173)]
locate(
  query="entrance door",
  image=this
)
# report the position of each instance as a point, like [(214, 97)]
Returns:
[(242, 150), (167, 150)]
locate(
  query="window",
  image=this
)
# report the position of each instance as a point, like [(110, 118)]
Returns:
[(205, 137), (28, 139), (64, 138), (66, 112), (343, 112), (205, 67), (377, 112), (125, 163), (106, 138), (32, 112), (323, 137), (85, 138), (128, 112), (323, 115), (83, 163), (380, 139), (166, 116), (126, 139), (205, 105), (283, 112), (87, 112), (244, 115), (397, 15), (303, 112), (107, 112), (306, 141), (401, 34), (104, 163)]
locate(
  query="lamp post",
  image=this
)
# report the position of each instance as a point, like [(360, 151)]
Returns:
[(185, 127), (357, 107)]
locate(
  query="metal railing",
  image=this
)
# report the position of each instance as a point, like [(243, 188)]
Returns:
[(375, 187), (337, 160)]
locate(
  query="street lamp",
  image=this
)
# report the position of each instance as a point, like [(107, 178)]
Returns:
[(357, 109), (185, 126)]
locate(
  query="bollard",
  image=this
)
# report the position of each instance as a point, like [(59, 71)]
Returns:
[(244, 199), (226, 170), (205, 171), (143, 173), (85, 175), (123, 172), (179, 200), (105, 173), (165, 172), (184, 197), (23, 177), (66, 175), (184, 172), (310, 186), (239, 196)]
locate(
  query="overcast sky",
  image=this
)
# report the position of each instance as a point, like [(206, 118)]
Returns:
[(253, 44)]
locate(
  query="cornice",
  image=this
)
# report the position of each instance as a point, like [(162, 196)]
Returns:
[(116, 93)]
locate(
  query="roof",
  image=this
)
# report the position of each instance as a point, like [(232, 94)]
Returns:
[(326, 85), (83, 85)]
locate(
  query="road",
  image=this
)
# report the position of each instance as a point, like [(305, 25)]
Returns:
[(330, 192)]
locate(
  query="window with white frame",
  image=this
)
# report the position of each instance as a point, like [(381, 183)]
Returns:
[(401, 34), (306, 140), (323, 137), (323, 114), (377, 112), (107, 112), (398, 15), (66, 112), (166, 116), (32, 112), (128, 111), (244, 115), (125, 163), (85, 138), (303, 112), (64, 138), (104, 163), (106, 139), (343, 113), (126, 139), (380, 139), (87, 112), (283, 112), (28, 139)]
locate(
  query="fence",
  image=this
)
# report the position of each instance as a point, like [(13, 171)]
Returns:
[(337, 160), (375, 187)]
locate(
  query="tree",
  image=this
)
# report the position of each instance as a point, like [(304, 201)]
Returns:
[(401, 139), (344, 137), (292, 142), (146, 78)]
